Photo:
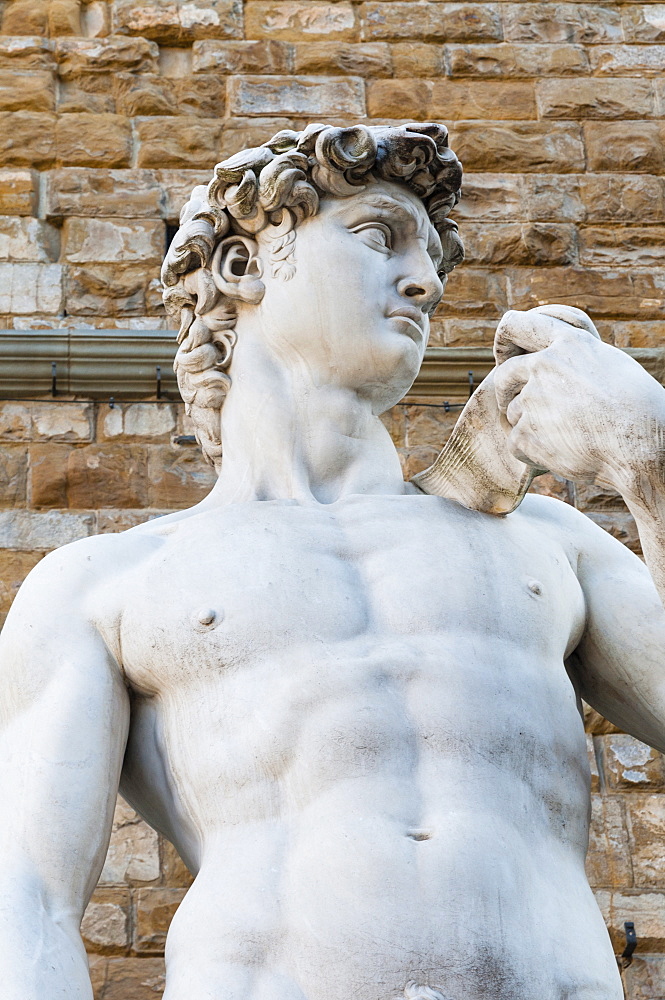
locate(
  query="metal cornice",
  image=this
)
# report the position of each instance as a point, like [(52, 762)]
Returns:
[(97, 364)]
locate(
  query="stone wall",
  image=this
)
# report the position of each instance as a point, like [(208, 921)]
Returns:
[(111, 112)]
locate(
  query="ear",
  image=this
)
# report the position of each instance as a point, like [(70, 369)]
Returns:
[(236, 269)]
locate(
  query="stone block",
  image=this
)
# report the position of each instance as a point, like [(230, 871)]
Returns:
[(619, 146), (13, 475), (461, 332), (48, 475), (183, 141), (93, 140), (15, 422), (647, 911), (61, 421), (95, 19), (233, 57), (646, 828), (109, 240), (417, 59), (25, 17), (27, 91), (537, 147), (174, 871), (593, 98), (590, 496), (133, 854), (18, 192), (84, 192), (399, 99), (25, 239), (203, 96), (105, 55), (595, 724), (491, 197), (593, 763), (121, 978), (508, 59), (177, 186), (601, 293), (105, 924), (178, 21), (637, 333), (30, 288), (519, 243), (64, 17), (629, 60), (645, 977), (14, 567), (107, 290), (241, 133), (25, 53), (178, 477), (644, 23), (579, 23), (599, 198), (414, 460), (428, 427), (476, 292), (490, 99), (106, 475), (608, 860), (630, 765), (298, 20), (619, 246), (27, 138), (443, 22), (138, 420), (333, 97), (28, 531), (155, 909), (366, 60), (89, 93)]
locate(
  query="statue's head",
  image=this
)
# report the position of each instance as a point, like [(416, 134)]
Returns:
[(333, 243)]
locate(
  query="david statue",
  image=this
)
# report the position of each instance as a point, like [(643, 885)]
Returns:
[(352, 704)]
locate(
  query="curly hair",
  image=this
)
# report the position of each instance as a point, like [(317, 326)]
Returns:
[(271, 189)]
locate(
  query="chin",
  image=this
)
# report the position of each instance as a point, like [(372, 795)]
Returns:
[(394, 368)]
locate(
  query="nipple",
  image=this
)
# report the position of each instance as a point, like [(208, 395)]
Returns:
[(205, 617), (535, 587)]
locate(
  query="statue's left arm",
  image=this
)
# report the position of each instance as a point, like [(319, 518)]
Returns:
[(589, 412)]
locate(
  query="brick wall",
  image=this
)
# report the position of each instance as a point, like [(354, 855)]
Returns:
[(111, 112)]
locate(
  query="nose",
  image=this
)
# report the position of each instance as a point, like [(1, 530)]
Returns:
[(423, 290)]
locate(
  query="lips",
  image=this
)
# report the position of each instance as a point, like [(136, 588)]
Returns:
[(413, 317)]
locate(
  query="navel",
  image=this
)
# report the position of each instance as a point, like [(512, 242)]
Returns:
[(535, 587), (419, 835)]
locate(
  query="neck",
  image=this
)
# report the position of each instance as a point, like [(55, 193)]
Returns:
[(287, 436)]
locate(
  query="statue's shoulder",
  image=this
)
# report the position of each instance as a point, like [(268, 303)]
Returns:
[(556, 517)]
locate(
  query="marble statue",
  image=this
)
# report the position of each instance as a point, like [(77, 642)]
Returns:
[(351, 702)]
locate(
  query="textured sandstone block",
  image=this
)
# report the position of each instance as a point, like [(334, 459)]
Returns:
[(595, 723), (591, 496), (590, 751), (123, 978), (108, 475), (426, 427), (14, 567), (108, 240), (440, 21), (414, 460), (580, 23), (596, 198), (418, 59), (526, 244), (26, 239), (616, 146), (87, 93), (608, 859), (155, 909), (476, 292), (174, 871), (64, 17), (139, 420), (623, 247), (460, 332), (639, 334), (603, 293), (595, 98), (483, 99), (645, 977), (84, 192), (399, 99), (211, 56), (506, 60), (241, 133), (27, 91), (366, 60), (293, 20), (105, 924), (631, 765), (519, 146), (133, 854), (25, 17), (633, 60), (15, 422), (29, 531), (332, 97), (27, 138), (644, 22), (95, 19), (105, 290), (178, 21), (61, 421), (491, 197), (203, 96), (175, 62), (182, 141), (25, 52), (105, 55), (178, 477), (647, 911), (646, 827), (89, 140), (13, 475), (177, 186), (30, 288), (120, 520), (48, 475)]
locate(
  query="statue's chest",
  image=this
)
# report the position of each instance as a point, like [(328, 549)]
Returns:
[(220, 594)]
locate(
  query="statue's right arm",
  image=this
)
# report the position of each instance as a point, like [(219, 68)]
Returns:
[(64, 716)]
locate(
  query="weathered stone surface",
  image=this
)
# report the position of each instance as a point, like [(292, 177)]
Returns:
[(123, 978), (519, 243), (25, 52), (15, 422), (241, 132), (105, 55), (242, 57), (109, 240), (28, 531), (79, 191), (203, 95), (506, 60), (27, 138), (608, 859), (256, 95), (291, 20), (595, 198), (519, 146), (24, 239), (48, 475), (174, 871), (106, 289), (95, 19), (644, 23), (460, 332), (103, 475), (632, 60), (88, 93), (18, 192), (105, 925), (121, 520), (183, 141), (155, 909), (14, 567), (178, 477), (616, 146), (64, 17), (595, 723), (623, 247), (449, 100), (178, 22), (139, 420), (61, 421), (645, 977), (492, 197), (595, 98), (31, 91), (475, 292), (646, 827), (593, 763), (133, 854), (177, 186), (443, 22), (13, 475), (604, 293), (637, 333), (647, 911), (631, 765), (580, 23), (366, 60), (25, 17), (90, 140), (30, 288), (418, 59)]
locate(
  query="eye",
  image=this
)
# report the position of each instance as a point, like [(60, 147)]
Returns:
[(375, 235)]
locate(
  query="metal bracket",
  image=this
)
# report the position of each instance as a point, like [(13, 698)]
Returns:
[(158, 381), (631, 943), (471, 384), (54, 378)]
